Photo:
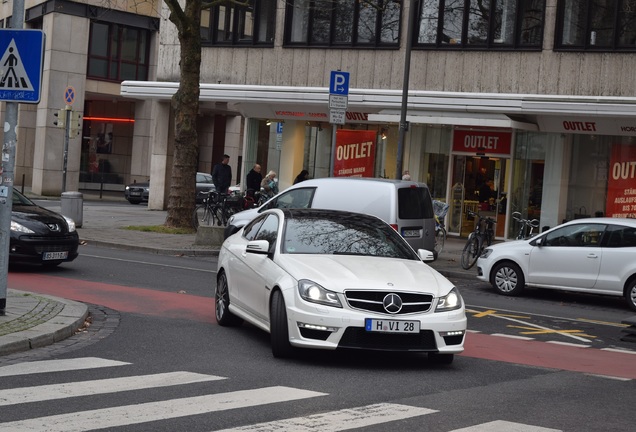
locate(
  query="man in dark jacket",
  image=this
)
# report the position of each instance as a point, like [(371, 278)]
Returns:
[(254, 179), (222, 175)]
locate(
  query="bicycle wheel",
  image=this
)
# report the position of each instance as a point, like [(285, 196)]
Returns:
[(201, 216), (471, 252), (440, 239)]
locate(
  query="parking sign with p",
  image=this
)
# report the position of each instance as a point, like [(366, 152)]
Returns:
[(339, 83)]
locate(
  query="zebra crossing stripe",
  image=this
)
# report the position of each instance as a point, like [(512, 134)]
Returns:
[(505, 426), (153, 411), (103, 386), (345, 419), (45, 366)]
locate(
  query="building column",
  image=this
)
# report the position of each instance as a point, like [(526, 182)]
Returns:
[(250, 147), (556, 177), (161, 139), (292, 152)]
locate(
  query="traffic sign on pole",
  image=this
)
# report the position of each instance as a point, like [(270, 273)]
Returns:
[(21, 64)]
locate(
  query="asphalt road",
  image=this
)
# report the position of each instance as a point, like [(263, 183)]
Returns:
[(153, 316)]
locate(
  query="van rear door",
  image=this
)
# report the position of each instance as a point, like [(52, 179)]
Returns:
[(416, 222)]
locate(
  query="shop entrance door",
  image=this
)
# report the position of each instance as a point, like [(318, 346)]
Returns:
[(479, 185)]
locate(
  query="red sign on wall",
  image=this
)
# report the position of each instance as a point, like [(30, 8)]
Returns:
[(482, 141), (355, 153), (621, 182)]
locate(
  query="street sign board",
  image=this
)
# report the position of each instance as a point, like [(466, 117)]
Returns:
[(69, 95), (339, 83), (338, 102), (337, 116), (21, 63)]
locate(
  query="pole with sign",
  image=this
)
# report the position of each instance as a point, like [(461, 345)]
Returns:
[(338, 103), (21, 81)]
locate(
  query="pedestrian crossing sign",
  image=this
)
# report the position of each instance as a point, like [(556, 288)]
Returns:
[(21, 63)]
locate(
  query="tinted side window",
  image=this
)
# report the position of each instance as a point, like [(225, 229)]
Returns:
[(269, 231), (580, 235), (414, 203), (252, 228), (620, 236)]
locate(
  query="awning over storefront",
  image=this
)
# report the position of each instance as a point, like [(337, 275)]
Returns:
[(548, 113)]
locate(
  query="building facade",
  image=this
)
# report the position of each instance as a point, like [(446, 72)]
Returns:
[(513, 105)]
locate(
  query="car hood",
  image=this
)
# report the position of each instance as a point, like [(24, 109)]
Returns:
[(341, 272), (38, 218)]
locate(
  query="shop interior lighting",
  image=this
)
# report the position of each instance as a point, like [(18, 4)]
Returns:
[(110, 119), (268, 122)]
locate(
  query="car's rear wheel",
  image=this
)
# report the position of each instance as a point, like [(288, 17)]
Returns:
[(441, 359), (507, 278), (222, 303), (281, 348), (630, 295)]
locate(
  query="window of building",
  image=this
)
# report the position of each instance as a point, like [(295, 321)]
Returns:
[(117, 52), (346, 23), (480, 24), (228, 23), (600, 25)]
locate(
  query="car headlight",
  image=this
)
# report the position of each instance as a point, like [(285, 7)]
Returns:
[(449, 302), (71, 224), (486, 253), (314, 293), (127, 187), (20, 228)]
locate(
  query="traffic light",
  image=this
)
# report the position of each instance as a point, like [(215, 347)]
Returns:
[(60, 116), (75, 126)]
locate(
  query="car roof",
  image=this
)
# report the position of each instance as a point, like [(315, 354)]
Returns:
[(603, 220), (344, 180), (332, 214)]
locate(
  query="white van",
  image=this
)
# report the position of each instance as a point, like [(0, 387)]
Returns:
[(405, 205)]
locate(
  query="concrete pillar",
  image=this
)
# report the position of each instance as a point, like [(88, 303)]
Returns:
[(233, 134), (250, 147), (141, 142), (556, 175), (161, 137), (292, 152)]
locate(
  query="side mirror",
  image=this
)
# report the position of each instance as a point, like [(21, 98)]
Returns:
[(258, 247), (537, 242), (426, 255)]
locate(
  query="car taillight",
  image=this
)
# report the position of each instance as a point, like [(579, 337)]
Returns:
[(394, 226)]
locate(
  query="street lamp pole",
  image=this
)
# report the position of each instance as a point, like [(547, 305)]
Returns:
[(405, 87)]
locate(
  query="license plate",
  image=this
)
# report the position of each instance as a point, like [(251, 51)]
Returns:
[(135, 193), (410, 233), (46, 256), (391, 326)]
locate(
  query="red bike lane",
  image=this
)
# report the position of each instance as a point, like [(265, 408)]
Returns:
[(185, 306)]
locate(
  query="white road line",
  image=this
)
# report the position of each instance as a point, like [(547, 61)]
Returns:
[(512, 336), (45, 366), (568, 344), (504, 426), (345, 419), (153, 411), (616, 350), (148, 263), (103, 386)]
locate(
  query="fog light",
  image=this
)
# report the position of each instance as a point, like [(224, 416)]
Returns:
[(452, 333)]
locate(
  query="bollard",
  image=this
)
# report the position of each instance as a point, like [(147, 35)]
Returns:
[(73, 206)]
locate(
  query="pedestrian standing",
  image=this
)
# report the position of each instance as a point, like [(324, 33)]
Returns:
[(253, 180), (270, 184), (222, 175), (304, 175)]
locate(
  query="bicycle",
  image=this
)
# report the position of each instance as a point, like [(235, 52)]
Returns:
[(440, 209), (483, 233), (217, 208), (526, 230)]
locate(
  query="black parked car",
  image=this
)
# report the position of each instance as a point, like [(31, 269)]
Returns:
[(39, 235), (137, 193)]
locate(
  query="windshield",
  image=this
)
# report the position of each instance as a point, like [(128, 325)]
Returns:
[(21, 200), (343, 235)]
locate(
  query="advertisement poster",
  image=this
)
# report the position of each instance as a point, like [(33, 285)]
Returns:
[(355, 153), (621, 182)]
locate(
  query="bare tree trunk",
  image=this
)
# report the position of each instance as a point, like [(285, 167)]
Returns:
[(185, 102)]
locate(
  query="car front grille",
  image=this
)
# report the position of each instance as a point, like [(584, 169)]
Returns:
[(372, 301), (359, 338)]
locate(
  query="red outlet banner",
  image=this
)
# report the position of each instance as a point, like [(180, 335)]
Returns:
[(621, 182), (355, 153)]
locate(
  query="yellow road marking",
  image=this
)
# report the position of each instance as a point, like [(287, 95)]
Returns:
[(495, 313), (535, 331)]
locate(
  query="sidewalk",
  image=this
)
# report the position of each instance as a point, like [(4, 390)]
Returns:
[(33, 321)]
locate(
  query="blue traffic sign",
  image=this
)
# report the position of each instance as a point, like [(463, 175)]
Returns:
[(339, 83), (21, 64)]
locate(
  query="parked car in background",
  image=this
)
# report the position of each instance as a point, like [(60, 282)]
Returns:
[(337, 280), (137, 193), (39, 235), (405, 205), (593, 255)]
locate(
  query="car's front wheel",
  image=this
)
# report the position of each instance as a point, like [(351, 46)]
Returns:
[(507, 278), (281, 348), (630, 294), (222, 303)]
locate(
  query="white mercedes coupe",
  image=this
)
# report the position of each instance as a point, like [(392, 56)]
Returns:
[(337, 280)]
